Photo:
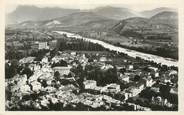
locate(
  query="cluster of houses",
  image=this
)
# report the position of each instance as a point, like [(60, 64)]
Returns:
[(43, 80)]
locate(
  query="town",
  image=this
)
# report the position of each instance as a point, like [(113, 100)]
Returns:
[(45, 70)]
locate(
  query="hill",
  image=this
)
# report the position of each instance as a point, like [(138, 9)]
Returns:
[(166, 17), (150, 13), (33, 13), (115, 13), (164, 22), (79, 20)]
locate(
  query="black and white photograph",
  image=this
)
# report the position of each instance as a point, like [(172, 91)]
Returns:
[(91, 56)]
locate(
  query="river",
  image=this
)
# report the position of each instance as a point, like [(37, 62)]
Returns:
[(131, 53)]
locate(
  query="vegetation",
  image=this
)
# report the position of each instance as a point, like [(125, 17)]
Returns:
[(162, 51), (78, 44)]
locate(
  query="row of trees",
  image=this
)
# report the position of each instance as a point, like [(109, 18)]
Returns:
[(78, 44), (162, 51)]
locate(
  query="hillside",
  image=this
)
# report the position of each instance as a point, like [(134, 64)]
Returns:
[(164, 22), (33, 13), (79, 20), (150, 13), (166, 17), (115, 13), (130, 24), (153, 35)]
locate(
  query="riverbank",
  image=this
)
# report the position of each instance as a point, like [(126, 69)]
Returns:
[(131, 53)]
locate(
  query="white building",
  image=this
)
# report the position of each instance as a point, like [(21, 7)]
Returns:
[(132, 91), (45, 60), (103, 59), (53, 44), (156, 74), (130, 67), (89, 84), (27, 60), (149, 81), (125, 78), (153, 69), (62, 70), (111, 88), (43, 45), (106, 67), (73, 53)]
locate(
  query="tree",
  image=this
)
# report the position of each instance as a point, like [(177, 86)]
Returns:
[(122, 70), (148, 93), (137, 78), (27, 71), (165, 90), (7, 71), (11, 70), (57, 76)]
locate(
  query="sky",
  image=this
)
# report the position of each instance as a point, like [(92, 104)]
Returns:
[(137, 5)]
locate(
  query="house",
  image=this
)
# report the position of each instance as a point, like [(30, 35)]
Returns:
[(174, 91), (89, 84), (45, 60), (149, 81), (17, 44), (159, 101), (153, 68), (73, 53), (130, 67), (39, 45), (156, 74), (126, 94), (140, 85), (167, 80), (43, 45), (34, 45), (132, 91), (124, 78), (173, 72), (103, 59), (112, 88), (106, 67), (62, 70), (53, 44), (27, 60), (135, 89)]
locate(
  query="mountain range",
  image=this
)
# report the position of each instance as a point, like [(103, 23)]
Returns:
[(101, 18), (79, 20), (150, 13), (163, 22), (115, 13), (33, 13)]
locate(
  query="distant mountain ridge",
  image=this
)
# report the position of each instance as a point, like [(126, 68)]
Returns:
[(80, 20), (33, 13), (100, 18), (166, 17), (150, 13), (164, 22), (115, 13)]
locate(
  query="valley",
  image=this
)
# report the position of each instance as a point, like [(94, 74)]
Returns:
[(154, 31)]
